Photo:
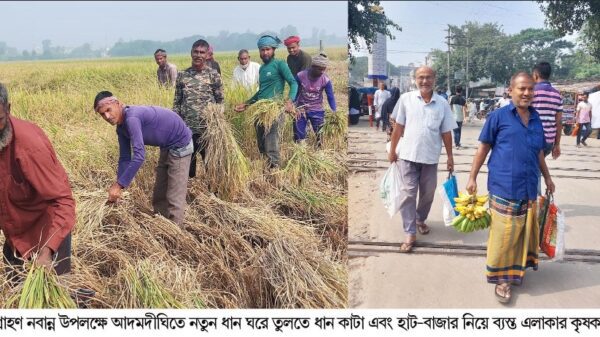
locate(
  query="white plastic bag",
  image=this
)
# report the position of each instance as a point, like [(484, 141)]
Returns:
[(447, 209), (389, 189)]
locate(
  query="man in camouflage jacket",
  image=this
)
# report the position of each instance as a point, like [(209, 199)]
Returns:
[(196, 87)]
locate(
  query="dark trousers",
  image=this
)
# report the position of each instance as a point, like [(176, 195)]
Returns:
[(586, 134), (199, 146), (62, 257), (385, 119), (457, 132), (268, 141)]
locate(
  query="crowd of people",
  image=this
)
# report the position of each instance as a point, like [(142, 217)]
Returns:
[(38, 215), (522, 130)]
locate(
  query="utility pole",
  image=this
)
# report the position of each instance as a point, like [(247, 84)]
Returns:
[(448, 42), (467, 76)]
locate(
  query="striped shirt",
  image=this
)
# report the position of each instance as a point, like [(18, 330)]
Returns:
[(548, 103)]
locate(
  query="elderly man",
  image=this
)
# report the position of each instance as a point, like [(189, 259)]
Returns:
[(423, 121), (38, 210), (310, 98), (273, 75), (166, 72), (515, 136), (297, 59), (138, 126), (246, 73), (196, 87)]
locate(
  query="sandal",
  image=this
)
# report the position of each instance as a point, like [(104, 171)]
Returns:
[(423, 229), (407, 247), (505, 294)]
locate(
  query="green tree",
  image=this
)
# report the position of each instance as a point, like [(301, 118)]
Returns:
[(576, 15), (365, 19), (496, 55), (533, 45), (489, 56)]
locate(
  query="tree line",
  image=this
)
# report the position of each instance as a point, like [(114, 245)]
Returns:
[(223, 41)]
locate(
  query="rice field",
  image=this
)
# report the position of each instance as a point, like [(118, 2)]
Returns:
[(271, 240)]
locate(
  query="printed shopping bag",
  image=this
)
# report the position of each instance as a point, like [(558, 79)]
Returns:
[(552, 228)]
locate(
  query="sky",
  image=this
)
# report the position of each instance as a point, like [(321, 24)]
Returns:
[(423, 23), (72, 23)]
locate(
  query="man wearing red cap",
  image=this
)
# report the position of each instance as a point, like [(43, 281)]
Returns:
[(297, 60)]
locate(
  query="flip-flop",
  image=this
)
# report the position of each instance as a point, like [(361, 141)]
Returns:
[(406, 247), (423, 229), (507, 293)]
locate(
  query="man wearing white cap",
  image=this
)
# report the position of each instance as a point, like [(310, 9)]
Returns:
[(312, 82)]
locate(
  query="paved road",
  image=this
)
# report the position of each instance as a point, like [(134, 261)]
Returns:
[(454, 278)]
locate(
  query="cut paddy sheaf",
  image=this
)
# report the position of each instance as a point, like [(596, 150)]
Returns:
[(267, 240)]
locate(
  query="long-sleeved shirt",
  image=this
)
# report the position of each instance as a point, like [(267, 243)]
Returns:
[(247, 78), (300, 62), (167, 75), (37, 206), (147, 125), (193, 92), (310, 92), (271, 80)]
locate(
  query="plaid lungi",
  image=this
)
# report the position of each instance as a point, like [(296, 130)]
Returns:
[(513, 243)]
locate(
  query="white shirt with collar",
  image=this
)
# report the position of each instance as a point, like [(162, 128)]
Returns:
[(379, 98), (424, 124), (247, 78)]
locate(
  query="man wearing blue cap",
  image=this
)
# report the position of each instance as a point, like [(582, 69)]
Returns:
[(271, 81)]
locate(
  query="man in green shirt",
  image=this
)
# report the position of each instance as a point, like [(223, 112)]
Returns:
[(271, 81)]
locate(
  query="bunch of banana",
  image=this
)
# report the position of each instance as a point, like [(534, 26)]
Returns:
[(473, 215)]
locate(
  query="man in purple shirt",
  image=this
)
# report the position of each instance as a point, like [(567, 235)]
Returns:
[(312, 82), (138, 126)]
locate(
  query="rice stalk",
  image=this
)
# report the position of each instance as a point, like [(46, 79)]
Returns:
[(144, 291), (306, 164), (42, 290), (266, 112), (334, 130), (227, 169)]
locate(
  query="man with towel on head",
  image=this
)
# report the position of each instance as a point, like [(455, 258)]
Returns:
[(138, 126), (273, 75), (312, 83), (297, 59)]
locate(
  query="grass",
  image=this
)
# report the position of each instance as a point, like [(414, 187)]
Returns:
[(268, 241)]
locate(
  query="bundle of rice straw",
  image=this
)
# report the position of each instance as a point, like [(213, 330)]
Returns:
[(41, 290), (334, 129), (146, 292), (266, 111), (306, 164), (227, 169)]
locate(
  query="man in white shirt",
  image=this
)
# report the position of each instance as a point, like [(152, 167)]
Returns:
[(503, 101), (423, 121), (246, 73), (379, 98)]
